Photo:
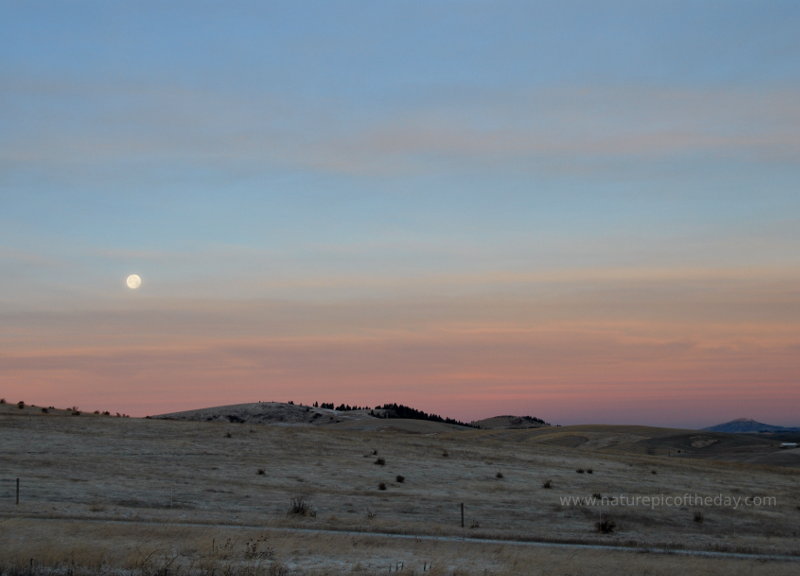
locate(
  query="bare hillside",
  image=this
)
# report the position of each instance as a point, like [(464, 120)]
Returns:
[(268, 413), (281, 413)]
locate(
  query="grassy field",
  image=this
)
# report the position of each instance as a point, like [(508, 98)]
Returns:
[(103, 494)]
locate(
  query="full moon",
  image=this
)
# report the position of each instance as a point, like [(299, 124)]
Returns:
[(133, 281)]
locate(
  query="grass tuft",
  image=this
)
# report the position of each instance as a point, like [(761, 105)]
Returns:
[(606, 525), (299, 506)]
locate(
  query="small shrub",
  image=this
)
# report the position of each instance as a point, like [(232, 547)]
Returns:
[(580, 470), (400, 478), (45, 411), (228, 435), (382, 486), (76, 412), (606, 525), (653, 472), (298, 506), (698, 517), (2, 400), (261, 472), (499, 476), (474, 524), (380, 462), (445, 454), (20, 404), (547, 484), (370, 514)]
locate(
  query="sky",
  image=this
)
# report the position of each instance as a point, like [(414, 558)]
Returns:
[(583, 211)]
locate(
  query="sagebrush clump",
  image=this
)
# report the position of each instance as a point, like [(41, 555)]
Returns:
[(298, 506), (606, 525)]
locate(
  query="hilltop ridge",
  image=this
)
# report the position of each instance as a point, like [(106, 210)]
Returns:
[(382, 416)]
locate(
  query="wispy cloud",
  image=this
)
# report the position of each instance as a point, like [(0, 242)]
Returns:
[(553, 370), (549, 128), (598, 123)]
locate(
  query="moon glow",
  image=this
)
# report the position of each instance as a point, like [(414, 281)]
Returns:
[(133, 281)]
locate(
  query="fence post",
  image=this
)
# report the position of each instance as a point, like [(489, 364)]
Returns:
[(17, 491), (462, 514)]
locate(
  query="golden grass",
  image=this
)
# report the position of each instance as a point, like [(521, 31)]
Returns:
[(94, 548)]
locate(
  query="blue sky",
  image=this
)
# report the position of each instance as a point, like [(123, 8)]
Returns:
[(421, 155)]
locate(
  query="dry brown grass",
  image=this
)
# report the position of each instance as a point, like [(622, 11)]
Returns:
[(95, 489), (79, 547)]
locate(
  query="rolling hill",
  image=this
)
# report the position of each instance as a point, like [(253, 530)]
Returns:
[(281, 413), (395, 416), (508, 422)]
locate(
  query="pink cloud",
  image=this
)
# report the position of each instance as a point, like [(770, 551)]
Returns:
[(624, 346)]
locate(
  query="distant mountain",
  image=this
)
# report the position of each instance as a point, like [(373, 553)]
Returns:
[(748, 426)]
